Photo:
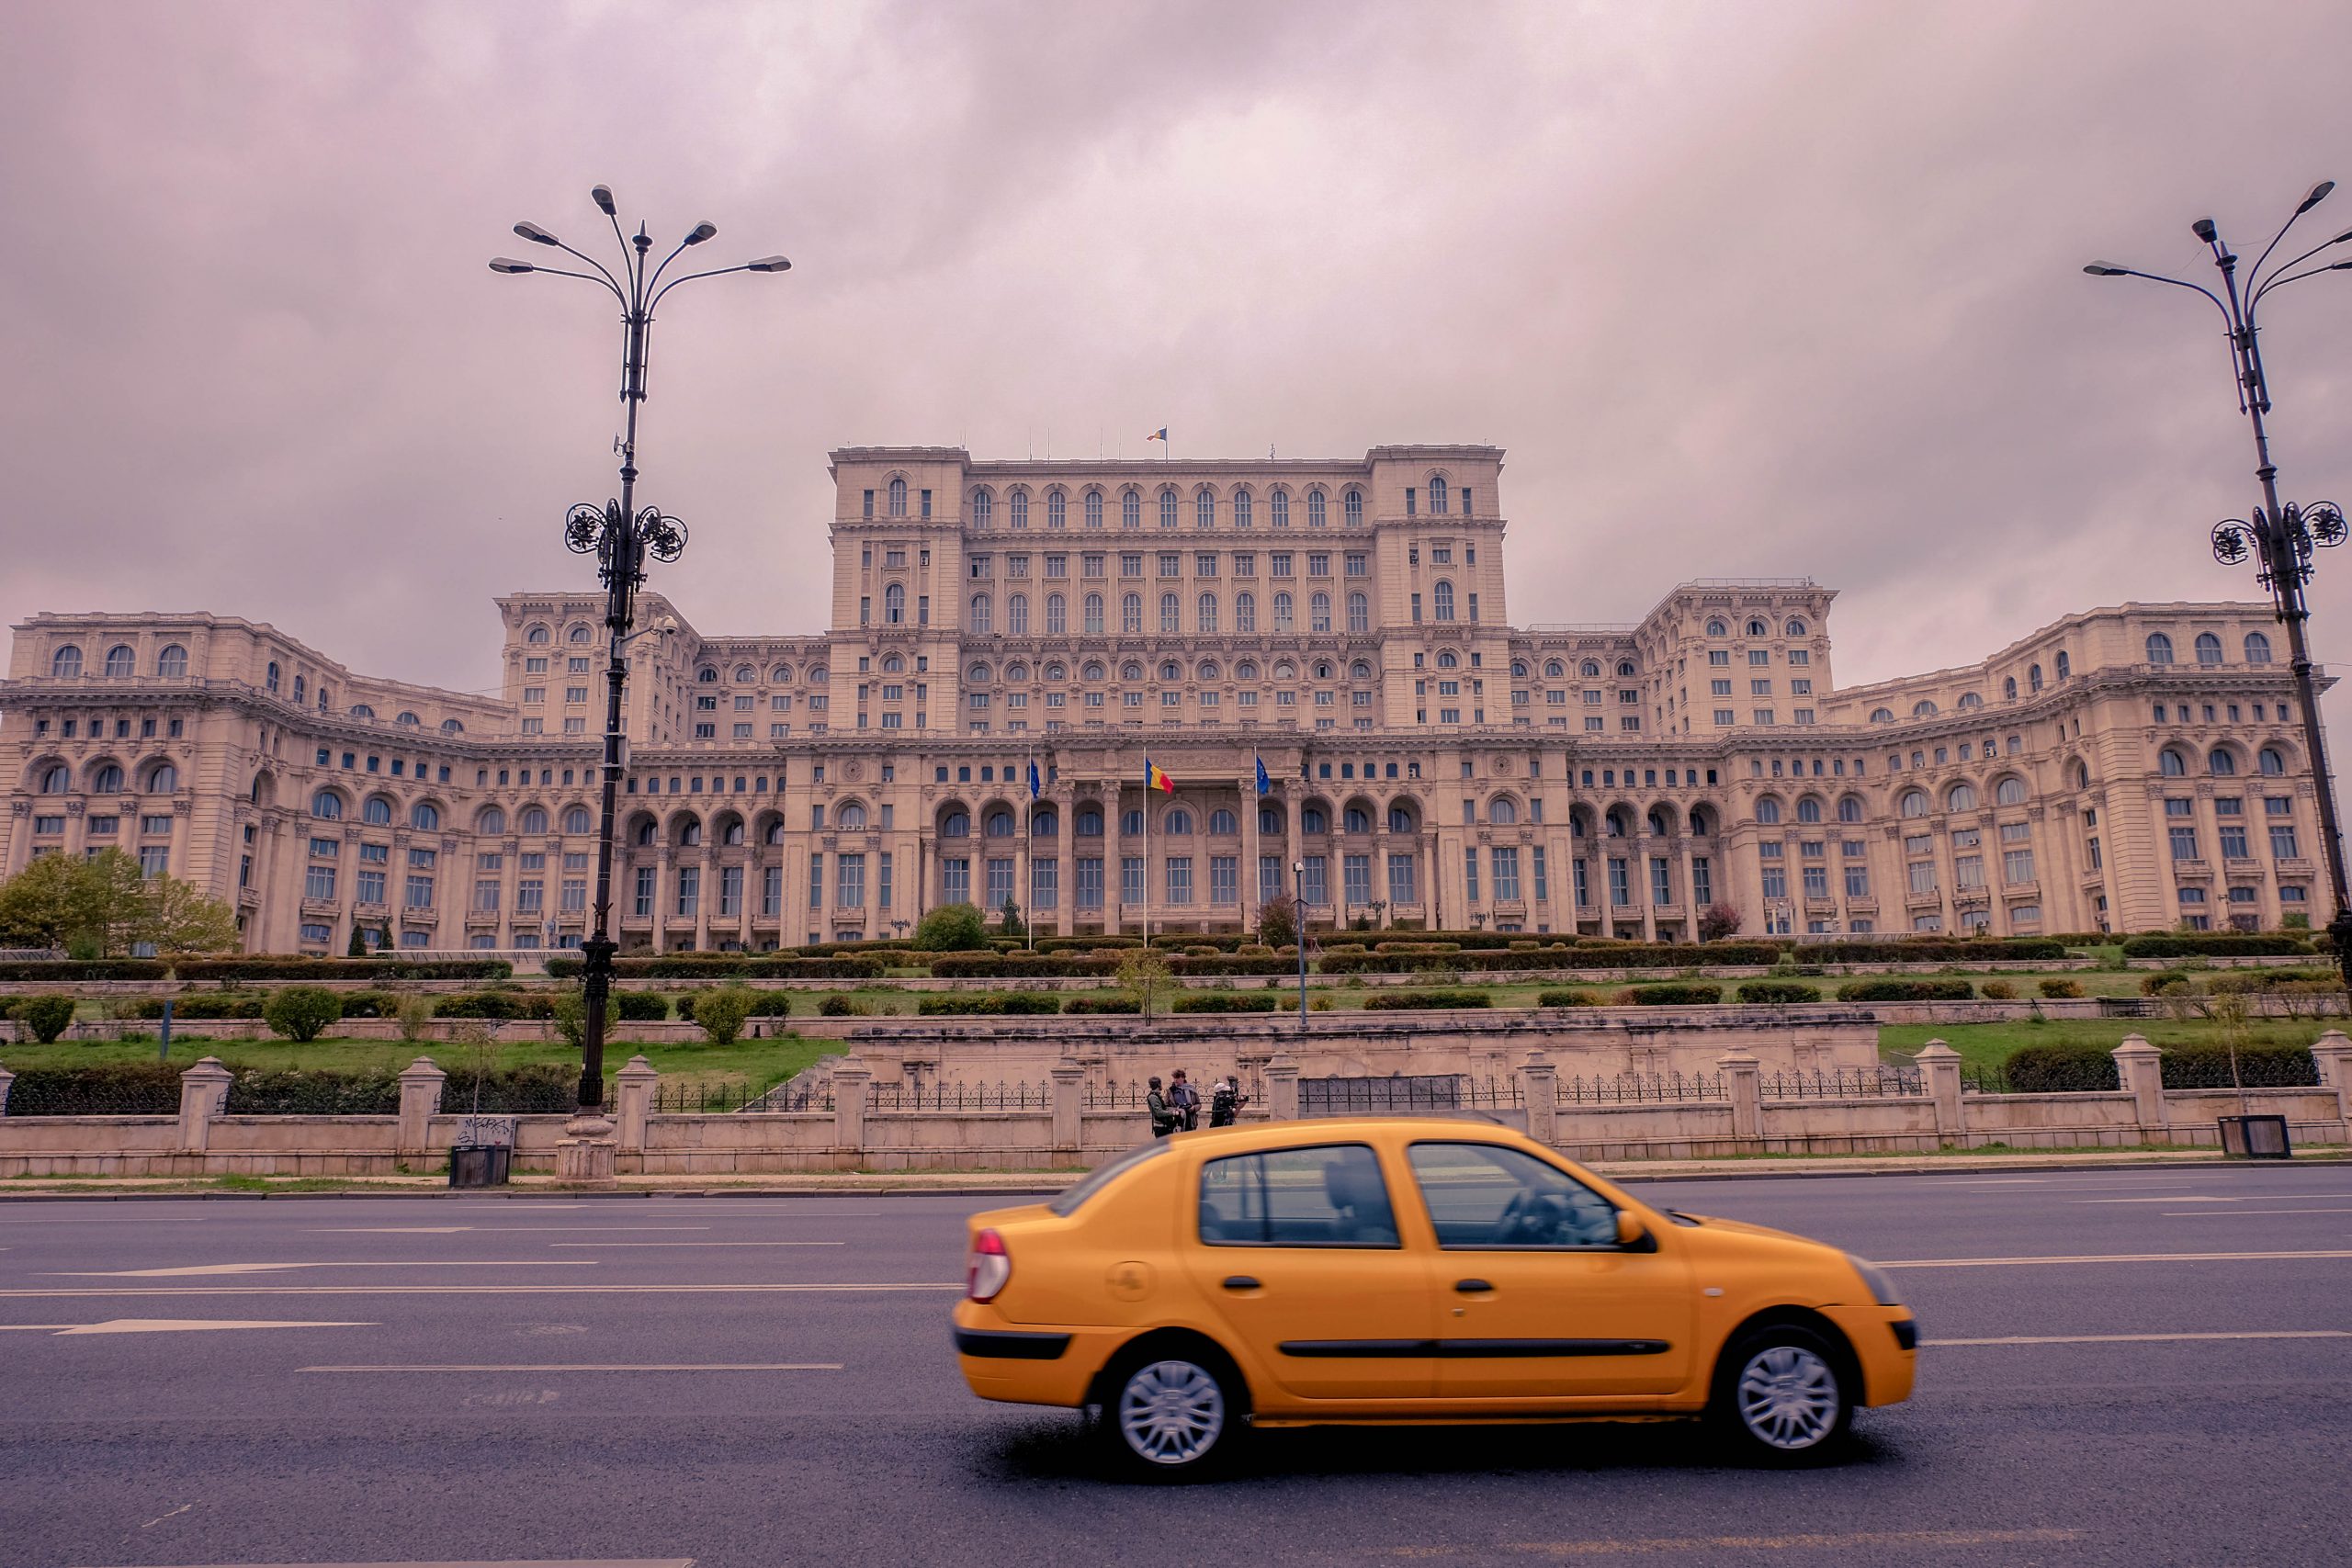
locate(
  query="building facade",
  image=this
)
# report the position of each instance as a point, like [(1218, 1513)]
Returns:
[(1429, 761)]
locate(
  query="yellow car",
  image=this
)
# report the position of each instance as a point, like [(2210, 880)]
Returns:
[(1421, 1270)]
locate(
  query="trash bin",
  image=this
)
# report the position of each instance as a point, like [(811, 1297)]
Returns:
[(479, 1165), (2256, 1137)]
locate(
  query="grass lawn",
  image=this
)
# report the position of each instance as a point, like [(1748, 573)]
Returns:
[(1988, 1044), (762, 1062)]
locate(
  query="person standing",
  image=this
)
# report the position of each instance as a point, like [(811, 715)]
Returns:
[(1185, 1100), (1164, 1120), (1226, 1100)]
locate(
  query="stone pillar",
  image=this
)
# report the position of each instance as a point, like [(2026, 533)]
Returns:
[(1069, 1104), (421, 1083), (851, 1076), (6, 1077), (2332, 1051), (1539, 1086), (1939, 1065), (1643, 848), (1282, 1086), (2140, 1068), (1114, 862), (204, 1090), (634, 1086), (1251, 801), (1743, 1076)]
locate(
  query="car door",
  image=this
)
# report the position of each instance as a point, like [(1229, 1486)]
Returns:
[(1300, 1254), (1536, 1298)]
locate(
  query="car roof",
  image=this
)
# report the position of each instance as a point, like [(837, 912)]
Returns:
[(1348, 1129)]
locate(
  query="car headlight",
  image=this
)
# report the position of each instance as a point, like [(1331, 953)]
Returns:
[(1881, 1284)]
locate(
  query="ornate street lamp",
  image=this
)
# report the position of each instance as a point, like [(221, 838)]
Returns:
[(621, 538), (2279, 537)]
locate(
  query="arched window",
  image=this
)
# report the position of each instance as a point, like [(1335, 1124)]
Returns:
[(1016, 615), (1170, 670), (56, 779), (1204, 510), (1625, 669), (582, 633), (708, 675), (2065, 667), (1131, 509), (2009, 689), (1318, 612), (2209, 649), (1314, 819), (1589, 670), (983, 508), (1359, 613), (577, 820), (1359, 671), (1056, 512), (270, 677), (2159, 648), (451, 726), (121, 662), (1222, 823), (1717, 628), (107, 781), (377, 812), (493, 822), (647, 834), (537, 637), (1178, 823), (1757, 629), (162, 778), (1017, 509), (532, 820), (852, 819), (1401, 819), (1168, 509), (1912, 804), (956, 825), (326, 805), (1094, 509), (2169, 764), (1314, 509), (1131, 613), (898, 497), (361, 710), (1279, 504), (1795, 628), (1057, 615), (1353, 508), (1241, 509), (1281, 612), (1882, 716), (1090, 823), (772, 833), (1205, 613), (689, 833), (781, 673), (1923, 708), (1768, 810), (172, 663), (1809, 810), (1441, 599), (1131, 671), (731, 831), (999, 824), (2033, 677), (2220, 762), (1447, 659), (1245, 612), (1045, 824), (65, 664), (745, 675), (1969, 700), (2258, 648), (1850, 808), (2082, 775), (980, 674), (894, 603), (982, 622), (1554, 669), (1962, 798), (1503, 811), (2272, 762), (1094, 615), (424, 814), (1169, 615), (2010, 791)]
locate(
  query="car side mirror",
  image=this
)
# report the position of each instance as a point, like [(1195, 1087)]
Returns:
[(1631, 1232)]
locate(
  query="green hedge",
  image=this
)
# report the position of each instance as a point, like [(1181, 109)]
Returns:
[(1775, 991), (2214, 944), (2059, 1069), (44, 1018), (1907, 991), (2259, 1066), (69, 969), (1127, 1005), (1225, 1001), (1007, 966), (990, 1002), (1568, 1000), (732, 966), (115, 1089), (153, 1088), (1415, 1001), (497, 1005), (1236, 963), (342, 969), (1679, 993), (2058, 988), (1983, 951)]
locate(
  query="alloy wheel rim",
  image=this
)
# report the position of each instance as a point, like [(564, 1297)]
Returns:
[(1172, 1411), (1788, 1398)]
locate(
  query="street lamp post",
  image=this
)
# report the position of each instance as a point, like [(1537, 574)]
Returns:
[(2279, 537), (621, 538), (1298, 910)]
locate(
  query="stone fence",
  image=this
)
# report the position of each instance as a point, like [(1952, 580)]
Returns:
[(1739, 1110)]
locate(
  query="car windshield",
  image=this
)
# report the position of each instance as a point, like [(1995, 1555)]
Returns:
[(1103, 1175)]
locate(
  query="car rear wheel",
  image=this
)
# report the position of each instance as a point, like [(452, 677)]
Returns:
[(1171, 1412), (1784, 1395)]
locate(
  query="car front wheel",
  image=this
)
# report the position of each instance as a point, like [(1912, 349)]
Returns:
[(1784, 1396), (1170, 1414)]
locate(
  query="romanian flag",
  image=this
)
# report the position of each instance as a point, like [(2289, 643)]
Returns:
[(1154, 779), (1159, 434)]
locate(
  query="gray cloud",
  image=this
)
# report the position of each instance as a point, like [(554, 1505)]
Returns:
[(1745, 289)]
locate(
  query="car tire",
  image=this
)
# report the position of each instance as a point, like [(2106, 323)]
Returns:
[(1784, 1395), (1173, 1413)]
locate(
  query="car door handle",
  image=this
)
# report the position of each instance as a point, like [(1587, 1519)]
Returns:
[(1241, 1282), (1473, 1287)]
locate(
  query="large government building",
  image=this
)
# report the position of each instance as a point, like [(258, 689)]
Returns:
[(1429, 760)]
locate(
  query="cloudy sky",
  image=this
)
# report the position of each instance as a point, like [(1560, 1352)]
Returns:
[(1744, 288)]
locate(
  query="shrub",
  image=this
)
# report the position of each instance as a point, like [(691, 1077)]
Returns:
[(1998, 991), (1413, 1001), (1021, 1002), (1101, 1005), (2214, 944), (1776, 991), (497, 1005), (840, 1007), (1976, 949), (2059, 1069), (259, 968), (45, 1018), (2058, 987), (1043, 966), (1225, 1001), (952, 928), (303, 1012), (2207, 1067), (1905, 991), (1568, 1000), (35, 969), (2166, 985), (368, 1004), (719, 1014), (416, 1015), (282, 1092), (226, 1005), (115, 1088), (1680, 993)]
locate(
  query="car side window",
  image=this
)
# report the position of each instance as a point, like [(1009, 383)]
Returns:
[(1484, 1196), (1330, 1195)]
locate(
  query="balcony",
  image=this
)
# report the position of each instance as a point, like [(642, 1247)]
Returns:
[(482, 917), (2021, 890), (1862, 905), (365, 910), (2242, 870), (321, 906), (1930, 900), (2192, 871), (2294, 867)]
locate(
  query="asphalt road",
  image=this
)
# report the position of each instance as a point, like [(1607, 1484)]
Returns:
[(460, 1398)]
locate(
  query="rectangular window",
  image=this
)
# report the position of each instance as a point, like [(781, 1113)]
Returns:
[(318, 882), (574, 895), (643, 904), (1923, 876), (1506, 865), (1816, 880), (2282, 841), (1131, 880), (420, 893), (882, 872), (817, 879), (2183, 843), (1090, 882), (1225, 879), (1858, 881), (370, 888), (689, 890), (849, 881), (1620, 889), (1316, 882), (771, 891), (1178, 875), (1271, 883), (1470, 872), (1400, 880), (1543, 882), (529, 896), (1044, 884), (1702, 885)]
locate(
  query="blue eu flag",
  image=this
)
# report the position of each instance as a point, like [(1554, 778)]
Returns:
[(1265, 785), (1034, 790)]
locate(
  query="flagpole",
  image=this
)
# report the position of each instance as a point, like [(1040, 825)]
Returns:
[(1029, 778)]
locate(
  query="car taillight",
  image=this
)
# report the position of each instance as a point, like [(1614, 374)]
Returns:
[(990, 1267)]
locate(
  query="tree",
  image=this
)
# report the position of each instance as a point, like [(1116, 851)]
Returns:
[(1717, 921), (302, 1013), (952, 928), (720, 1014), (180, 919), (1278, 922), (104, 906), (570, 1016), (1012, 924), (358, 947), (45, 1016), (120, 904), (1145, 972), (45, 905)]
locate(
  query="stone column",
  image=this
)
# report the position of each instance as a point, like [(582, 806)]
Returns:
[(1114, 862), (706, 899), (1282, 1086), (1250, 854), (6, 1077), (2332, 1051), (1539, 1086), (634, 1086), (1069, 1104), (421, 1083), (1689, 894), (851, 1076), (1939, 1065), (204, 1090), (2140, 1068), (1742, 1074), (1643, 847)]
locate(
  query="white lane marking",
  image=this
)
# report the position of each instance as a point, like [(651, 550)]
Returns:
[(33, 1327), (532, 1562), (159, 1518), (2002, 1181), (2103, 1257), (87, 1292), (194, 1269), (2233, 1214), (492, 1230), (604, 1367), (2148, 1339), (2201, 1197), (612, 1244), (192, 1325)]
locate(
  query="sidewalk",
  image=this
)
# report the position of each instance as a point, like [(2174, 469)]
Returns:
[(950, 1183)]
